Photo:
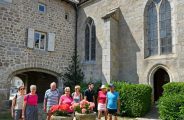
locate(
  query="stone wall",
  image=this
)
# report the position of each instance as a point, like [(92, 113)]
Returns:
[(133, 66), (16, 18)]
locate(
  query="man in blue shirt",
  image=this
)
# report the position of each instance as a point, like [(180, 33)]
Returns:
[(112, 102)]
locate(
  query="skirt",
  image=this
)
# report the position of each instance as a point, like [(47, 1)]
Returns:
[(101, 106), (31, 112)]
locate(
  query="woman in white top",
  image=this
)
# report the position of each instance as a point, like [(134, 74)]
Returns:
[(17, 103)]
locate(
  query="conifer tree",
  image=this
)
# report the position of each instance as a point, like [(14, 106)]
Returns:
[(73, 74)]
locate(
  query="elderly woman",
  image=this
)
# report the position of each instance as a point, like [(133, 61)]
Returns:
[(66, 98), (30, 109), (77, 96), (17, 103)]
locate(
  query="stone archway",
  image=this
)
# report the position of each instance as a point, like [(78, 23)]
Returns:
[(154, 71), (39, 77), (160, 78)]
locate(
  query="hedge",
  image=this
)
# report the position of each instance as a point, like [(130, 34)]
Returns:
[(173, 88), (171, 107), (135, 98), (171, 104)]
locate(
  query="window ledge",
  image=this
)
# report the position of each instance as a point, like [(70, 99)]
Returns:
[(88, 62), (168, 56)]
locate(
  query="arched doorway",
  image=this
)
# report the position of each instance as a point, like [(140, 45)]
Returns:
[(160, 78), (41, 79)]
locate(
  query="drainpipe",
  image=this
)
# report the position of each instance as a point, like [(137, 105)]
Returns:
[(75, 47)]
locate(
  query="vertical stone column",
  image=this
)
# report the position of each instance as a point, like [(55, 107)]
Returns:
[(106, 52), (110, 53)]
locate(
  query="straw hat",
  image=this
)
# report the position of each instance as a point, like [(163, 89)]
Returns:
[(103, 87)]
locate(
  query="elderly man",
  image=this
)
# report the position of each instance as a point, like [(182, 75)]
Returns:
[(51, 98)]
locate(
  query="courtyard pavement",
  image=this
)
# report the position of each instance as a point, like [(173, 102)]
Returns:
[(152, 115)]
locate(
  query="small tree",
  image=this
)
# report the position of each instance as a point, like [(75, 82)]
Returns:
[(73, 75)]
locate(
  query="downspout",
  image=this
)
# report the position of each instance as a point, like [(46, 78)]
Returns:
[(75, 47)]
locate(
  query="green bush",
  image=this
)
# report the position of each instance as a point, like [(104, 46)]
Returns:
[(171, 104), (135, 98), (173, 88), (171, 107)]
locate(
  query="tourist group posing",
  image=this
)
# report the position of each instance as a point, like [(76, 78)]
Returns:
[(25, 106)]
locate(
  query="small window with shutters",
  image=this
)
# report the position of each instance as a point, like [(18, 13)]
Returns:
[(40, 40)]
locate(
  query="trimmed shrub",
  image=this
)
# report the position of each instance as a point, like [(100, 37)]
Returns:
[(171, 104), (182, 111), (171, 107), (173, 88), (135, 98)]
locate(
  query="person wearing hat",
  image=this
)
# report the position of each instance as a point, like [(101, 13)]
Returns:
[(113, 102), (101, 99)]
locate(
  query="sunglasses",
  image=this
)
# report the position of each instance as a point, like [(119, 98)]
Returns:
[(22, 88), (67, 91)]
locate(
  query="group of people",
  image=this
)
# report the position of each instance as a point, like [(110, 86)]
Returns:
[(25, 106)]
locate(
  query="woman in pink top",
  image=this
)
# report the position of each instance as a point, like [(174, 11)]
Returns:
[(102, 102), (30, 109), (66, 99)]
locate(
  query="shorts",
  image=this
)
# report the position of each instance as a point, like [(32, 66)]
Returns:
[(101, 107), (48, 109), (112, 111)]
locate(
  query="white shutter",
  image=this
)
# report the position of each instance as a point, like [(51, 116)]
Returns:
[(30, 41), (51, 41)]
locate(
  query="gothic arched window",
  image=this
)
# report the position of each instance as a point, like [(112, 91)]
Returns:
[(90, 40), (152, 30), (165, 28), (159, 28)]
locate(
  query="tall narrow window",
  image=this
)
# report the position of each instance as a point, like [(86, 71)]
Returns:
[(87, 38), (165, 28), (152, 30), (159, 35), (93, 43), (90, 40)]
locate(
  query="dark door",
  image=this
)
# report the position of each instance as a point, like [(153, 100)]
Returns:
[(161, 77)]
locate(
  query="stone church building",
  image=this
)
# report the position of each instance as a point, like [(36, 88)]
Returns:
[(137, 41)]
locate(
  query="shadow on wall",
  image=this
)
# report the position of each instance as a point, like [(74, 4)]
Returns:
[(128, 51)]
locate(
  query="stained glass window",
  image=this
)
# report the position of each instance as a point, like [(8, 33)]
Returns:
[(152, 30), (159, 35), (165, 28), (87, 38)]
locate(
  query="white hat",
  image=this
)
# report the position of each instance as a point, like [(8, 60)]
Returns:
[(103, 86)]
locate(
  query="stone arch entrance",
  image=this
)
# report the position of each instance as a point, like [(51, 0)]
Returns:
[(39, 77), (159, 75), (160, 78)]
